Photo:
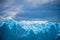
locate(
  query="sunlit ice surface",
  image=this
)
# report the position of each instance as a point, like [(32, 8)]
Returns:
[(29, 30)]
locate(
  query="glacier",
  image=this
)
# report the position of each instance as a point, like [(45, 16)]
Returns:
[(29, 30)]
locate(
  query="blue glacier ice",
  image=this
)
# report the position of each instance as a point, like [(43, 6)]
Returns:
[(11, 30)]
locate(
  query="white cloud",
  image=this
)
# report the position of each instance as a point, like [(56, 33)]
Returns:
[(31, 22), (38, 2), (11, 9)]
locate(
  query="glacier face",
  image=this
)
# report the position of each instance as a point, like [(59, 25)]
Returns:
[(29, 30)]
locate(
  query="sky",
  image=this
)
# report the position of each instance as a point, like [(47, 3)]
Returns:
[(30, 9)]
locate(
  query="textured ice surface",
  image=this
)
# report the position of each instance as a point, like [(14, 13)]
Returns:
[(29, 30)]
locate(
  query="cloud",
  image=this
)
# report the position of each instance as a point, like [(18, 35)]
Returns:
[(29, 9), (35, 3), (11, 9), (31, 22)]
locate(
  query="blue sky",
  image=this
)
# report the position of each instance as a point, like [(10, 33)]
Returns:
[(31, 9)]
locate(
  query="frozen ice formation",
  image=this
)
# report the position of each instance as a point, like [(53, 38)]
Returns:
[(29, 30)]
